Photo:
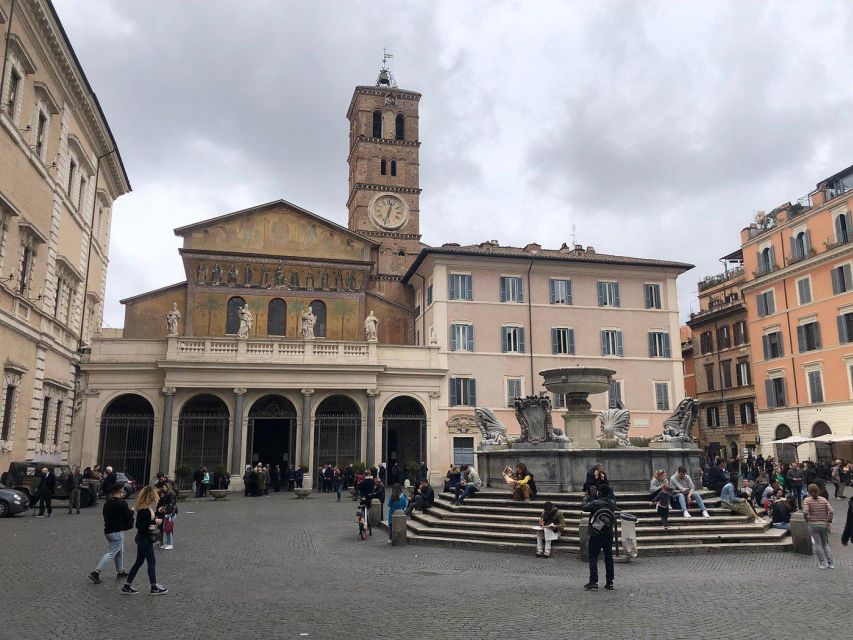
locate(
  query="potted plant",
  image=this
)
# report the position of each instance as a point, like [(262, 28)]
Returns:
[(183, 473), (221, 480)]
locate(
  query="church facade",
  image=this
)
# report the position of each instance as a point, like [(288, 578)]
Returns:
[(293, 340)]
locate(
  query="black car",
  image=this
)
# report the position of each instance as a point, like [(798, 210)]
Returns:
[(12, 502), (128, 483)]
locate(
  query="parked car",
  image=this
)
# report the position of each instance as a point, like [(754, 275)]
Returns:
[(12, 502), (129, 483), (22, 476)]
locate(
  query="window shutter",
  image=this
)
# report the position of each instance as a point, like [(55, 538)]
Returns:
[(469, 287), (765, 341), (555, 343), (453, 342), (801, 338), (521, 339), (794, 252), (472, 392), (808, 243), (836, 285), (847, 277), (553, 284), (451, 287), (470, 338), (848, 225), (652, 353), (604, 343), (520, 290), (771, 396), (666, 350), (772, 259), (504, 335), (503, 289), (616, 294), (762, 304), (568, 292), (817, 335), (602, 295), (619, 343), (570, 334), (839, 228), (781, 399), (454, 399), (842, 330), (771, 302), (758, 262), (647, 291)]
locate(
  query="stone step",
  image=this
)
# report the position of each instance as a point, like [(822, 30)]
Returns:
[(625, 505), (564, 498), (646, 512), (532, 519)]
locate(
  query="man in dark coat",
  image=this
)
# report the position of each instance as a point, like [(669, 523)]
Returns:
[(198, 477), (71, 484), (45, 490), (109, 481)]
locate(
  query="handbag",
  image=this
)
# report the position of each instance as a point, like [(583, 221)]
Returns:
[(168, 525)]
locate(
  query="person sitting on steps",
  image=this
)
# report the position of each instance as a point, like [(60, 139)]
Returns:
[(730, 499), (423, 499), (552, 519), (468, 485), (521, 482), (685, 492)]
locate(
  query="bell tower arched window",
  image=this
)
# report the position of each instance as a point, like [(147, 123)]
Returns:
[(232, 319), (400, 127), (383, 167), (393, 167), (377, 124)]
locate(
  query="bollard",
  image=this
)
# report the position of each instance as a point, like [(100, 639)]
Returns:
[(800, 534), (375, 513), (583, 535), (398, 528)]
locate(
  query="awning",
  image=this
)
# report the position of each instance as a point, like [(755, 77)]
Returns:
[(794, 440)]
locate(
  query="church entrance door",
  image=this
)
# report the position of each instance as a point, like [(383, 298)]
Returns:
[(272, 432), (404, 439), (337, 434)]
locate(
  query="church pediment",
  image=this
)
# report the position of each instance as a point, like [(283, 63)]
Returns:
[(276, 229)]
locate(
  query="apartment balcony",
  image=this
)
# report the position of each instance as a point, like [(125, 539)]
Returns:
[(712, 281), (764, 269), (715, 308), (789, 260), (832, 243)]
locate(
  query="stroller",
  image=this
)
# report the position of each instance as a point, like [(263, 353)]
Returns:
[(362, 518)]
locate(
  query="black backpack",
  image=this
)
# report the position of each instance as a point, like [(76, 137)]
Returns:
[(602, 521)]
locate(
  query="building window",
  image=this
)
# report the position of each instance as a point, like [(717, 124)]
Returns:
[(460, 287), (747, 413), (561, 291), (14, 90), (463, 451), (611, 342), (815, 386), (400, 127), (63, 300), (709, 377), (461, 337), (801, 245), (512, 339), (712, 416), (706, 342), (614, 395), (81, 192), (512, 289), (45, 419), (513, 390), (773, 347), (41, 132), (8, 411), (562, 341), (775, 390), (841, 279), (766, 303), (843, 228), (382, 167), (659, 345), (377, 124), (730, 413), (662, 396), (724, 339), (559, 400), (741, 335), (608, 294), (318, 307), (726, 374), (393, 167), (26, 271), (232, 316), (72, 175), (463, 392), (57, 427), (766, 261), (743, 374), (808, 336), (651, 293), (804, 290), (277, 318), (845, 327), (429, 295)]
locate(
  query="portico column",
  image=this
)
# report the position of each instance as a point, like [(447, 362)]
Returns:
[(237, 435), (370, 457), (166, 431), (305, 435)]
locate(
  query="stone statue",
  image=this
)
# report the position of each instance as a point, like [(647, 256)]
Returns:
[(216, 274), (614, 425), (534, 416), (677, 427), (492, 431), (324, 280), (247, 276), (201, 275), (433, 339), (232, 274), (246, 322), (309, 281), (172, 319), (279, 275), (371, 327), (308, 322)]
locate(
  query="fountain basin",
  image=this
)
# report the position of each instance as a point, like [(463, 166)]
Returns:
[(577, 380)]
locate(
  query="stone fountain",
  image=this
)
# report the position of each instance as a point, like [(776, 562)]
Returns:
[(560, 459)]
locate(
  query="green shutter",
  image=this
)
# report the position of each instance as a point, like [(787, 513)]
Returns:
[(520, 290), (451, 287), (616, 302), (652, 353), (469, 287), (568, 291), (842, 330), (470, 341), (521, 339), (619, 351), (555, 343), (454, 398), (835, 274), (503, 289), (571, 340), (604, 343), (602, 295), (762, 305), (801, 338), (504, 339), (453, 344), (770, 392), (472, 392), (667, 353)]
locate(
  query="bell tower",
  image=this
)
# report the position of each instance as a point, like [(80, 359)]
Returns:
[(384, 190)]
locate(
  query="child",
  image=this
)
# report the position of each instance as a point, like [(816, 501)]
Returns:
[(662, 501)]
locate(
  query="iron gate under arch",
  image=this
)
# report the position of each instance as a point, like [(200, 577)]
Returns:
[(125, 444), (202, 440), (337, 439), (404, 442)]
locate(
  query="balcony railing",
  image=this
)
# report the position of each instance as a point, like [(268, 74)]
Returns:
[(713, 281), (278, 350), (763, 270), (831, 243), (789, 260), (715, 308)]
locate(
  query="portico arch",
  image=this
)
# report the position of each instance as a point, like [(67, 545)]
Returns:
[(404, 440), (337, 432), (127, 433), (823, 450), (272, 431), (203, 433)]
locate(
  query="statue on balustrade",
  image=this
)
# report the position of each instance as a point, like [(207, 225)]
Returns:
[(678, 426), (246, 322), (201, 275), (216, 274), (308, 321), (232, 274), (172, 320), (371, 327)]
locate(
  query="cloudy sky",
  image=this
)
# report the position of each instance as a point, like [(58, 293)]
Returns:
[(656, 129)]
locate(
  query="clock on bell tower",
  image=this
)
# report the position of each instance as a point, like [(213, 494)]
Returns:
[(383, 171)]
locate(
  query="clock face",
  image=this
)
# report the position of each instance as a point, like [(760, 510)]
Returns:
[(389, 212)]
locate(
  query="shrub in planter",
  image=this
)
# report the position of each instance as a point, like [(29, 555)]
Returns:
[(359, 467), (221, 479), (413, 472), (183, 474)]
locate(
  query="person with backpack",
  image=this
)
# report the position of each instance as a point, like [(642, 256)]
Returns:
[(602, 522), (118, 518)]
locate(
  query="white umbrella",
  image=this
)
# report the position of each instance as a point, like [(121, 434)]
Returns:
[(794, 440), (831, 438)]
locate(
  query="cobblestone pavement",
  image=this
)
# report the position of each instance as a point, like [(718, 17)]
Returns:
[(277, 567)]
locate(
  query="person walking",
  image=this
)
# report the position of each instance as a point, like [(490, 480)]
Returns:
[(146, 523), (108, 482), (45, 490), (818, 514), (396, 502), (118, 518), (339, 482), (198, 476), (205, 482), (167, 506), (602, 521), (835, 476), (72, 489)]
